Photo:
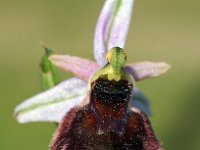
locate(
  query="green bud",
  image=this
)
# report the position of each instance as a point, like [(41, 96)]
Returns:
[(49, 73)]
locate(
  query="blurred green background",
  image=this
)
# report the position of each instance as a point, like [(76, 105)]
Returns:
[(167, 30)]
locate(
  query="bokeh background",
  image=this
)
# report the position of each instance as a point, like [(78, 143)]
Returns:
[(167, 30)]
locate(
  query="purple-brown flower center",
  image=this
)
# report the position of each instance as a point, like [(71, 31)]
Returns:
[(105, 123)]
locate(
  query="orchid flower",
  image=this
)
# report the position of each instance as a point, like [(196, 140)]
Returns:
[(53, 104), (111, 31)]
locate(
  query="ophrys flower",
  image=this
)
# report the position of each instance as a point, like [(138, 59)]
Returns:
[(111, 31)]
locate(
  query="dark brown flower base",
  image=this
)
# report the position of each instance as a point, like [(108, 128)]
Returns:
[(106, 123)]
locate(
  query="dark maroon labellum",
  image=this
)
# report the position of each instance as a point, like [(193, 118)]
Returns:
[(106, 123)]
